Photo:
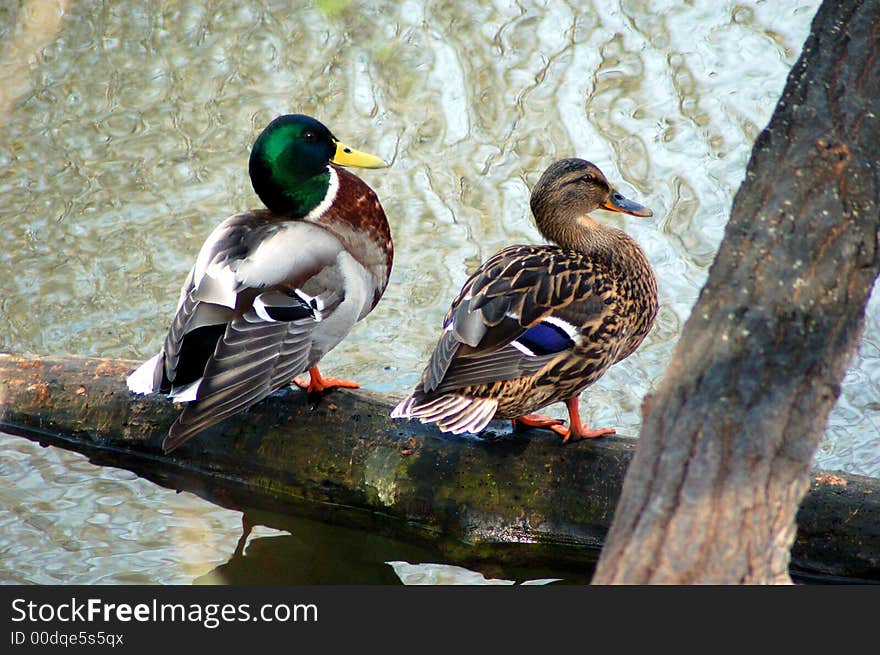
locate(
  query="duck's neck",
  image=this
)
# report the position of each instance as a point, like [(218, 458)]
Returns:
[(583, 233), (597, 240), (294, 196)]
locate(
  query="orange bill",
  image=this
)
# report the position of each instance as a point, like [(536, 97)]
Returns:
[(617, 202)]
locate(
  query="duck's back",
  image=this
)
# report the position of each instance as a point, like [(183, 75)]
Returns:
[(536, 324)]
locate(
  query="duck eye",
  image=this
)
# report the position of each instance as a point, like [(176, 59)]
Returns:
[(310, 136)]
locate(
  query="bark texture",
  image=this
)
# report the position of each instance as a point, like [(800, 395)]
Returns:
[(728, 437), (514, 500)]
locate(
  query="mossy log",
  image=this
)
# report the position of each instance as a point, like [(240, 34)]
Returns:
[(519, 498)]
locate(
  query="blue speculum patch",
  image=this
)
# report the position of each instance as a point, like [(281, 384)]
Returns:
[(546, 339)]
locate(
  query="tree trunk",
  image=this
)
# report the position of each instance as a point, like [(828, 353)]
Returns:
[(728, 437), (518, 500)]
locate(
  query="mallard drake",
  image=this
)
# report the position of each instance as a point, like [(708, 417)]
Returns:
[(535, 325), (273, 290)]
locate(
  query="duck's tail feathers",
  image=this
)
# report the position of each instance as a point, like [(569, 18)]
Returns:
[(451, 412), (147, 378)]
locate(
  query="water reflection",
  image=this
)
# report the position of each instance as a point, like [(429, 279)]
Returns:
[(313, 553), (318, 553)]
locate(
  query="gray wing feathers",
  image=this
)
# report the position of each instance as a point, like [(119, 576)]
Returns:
[(192, 312), (236, 378), (469, 323), (442, 356), (174, 338), (505, 364)]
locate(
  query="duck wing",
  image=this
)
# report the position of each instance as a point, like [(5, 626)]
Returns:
[(264, 301), (255, 356), (518, 312)]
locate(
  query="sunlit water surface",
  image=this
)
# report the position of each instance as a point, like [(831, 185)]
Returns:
[(124, 135)]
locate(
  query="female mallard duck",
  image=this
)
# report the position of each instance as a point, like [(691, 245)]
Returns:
[(535, 325), (273, 290)]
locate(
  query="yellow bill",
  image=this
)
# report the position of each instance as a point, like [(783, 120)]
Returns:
[(348, 156)]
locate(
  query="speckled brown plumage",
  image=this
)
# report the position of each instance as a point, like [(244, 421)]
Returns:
[(588, 302)]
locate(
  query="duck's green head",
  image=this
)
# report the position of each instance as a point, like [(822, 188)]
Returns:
[(289, 164)]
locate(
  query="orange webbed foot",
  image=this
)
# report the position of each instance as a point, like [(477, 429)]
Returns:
[(570, 435), (318, 383), (577, 431), (537, 421)]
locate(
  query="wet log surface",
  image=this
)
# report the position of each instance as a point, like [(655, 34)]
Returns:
[(519, 499), (729, 436)]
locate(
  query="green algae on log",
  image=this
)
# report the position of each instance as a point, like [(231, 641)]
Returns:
[(519, 498)]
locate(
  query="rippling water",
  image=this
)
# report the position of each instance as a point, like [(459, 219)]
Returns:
[(64, 520), (124, 134)]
